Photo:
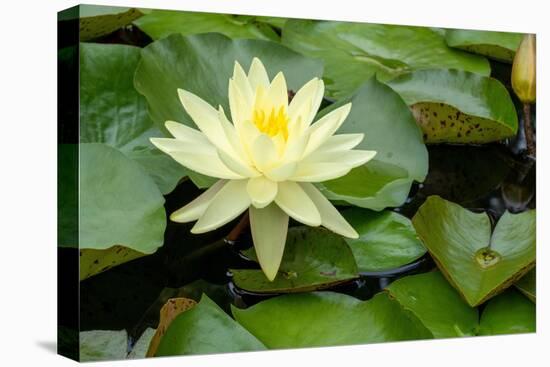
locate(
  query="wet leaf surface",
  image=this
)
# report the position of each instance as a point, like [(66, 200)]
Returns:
[(390, 130), (500, 46), (100, 345), (454, 106), (323, 319), (98, 20), (436, 303), (314, 258), (369, 49), (508, 313), (203, 329), (386, 240), (479, 264)]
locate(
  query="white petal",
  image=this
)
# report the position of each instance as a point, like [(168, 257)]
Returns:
[(199, 158), (306, 102), (257, 76), (233, 138), (185, 133), (264, 152), (319, 172), (237, 165), (242, 83), (281, 172), (227, 205), (341, 142), (277, 94), (241, 110), (206, 118), (323, 129), (269, 228), (262, 191), (330, 216), (196, 208), (351, 158), (293, 200)]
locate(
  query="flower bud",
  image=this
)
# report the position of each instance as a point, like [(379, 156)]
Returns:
[(524, 73)]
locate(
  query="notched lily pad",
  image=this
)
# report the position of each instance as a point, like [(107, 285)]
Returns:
[(98, 20), (322, 319), (500, 46), (477, 263), (455, 106), (203, 329), (436, 303), (386, 240), (528, 285), (314, 258), (508, 313)]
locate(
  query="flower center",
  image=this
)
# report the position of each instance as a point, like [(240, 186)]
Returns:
[(272, 124)]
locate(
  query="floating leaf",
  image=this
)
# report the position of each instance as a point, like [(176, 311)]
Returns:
[(528, 285), (479, 264), (354, 52), (67, 195), (314, 258), (94, 261), (500, 46), (508, 313), (99, 20), (386, 240), (203, 329), (168, 313), (390, 130), (109, 212), (112, 112), (103, 345), (139, 350), (162, 23), (457, 106), (436, 303), (323, 319)]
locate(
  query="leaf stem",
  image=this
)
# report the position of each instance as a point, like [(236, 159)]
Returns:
[(241, 226), (529, 135)]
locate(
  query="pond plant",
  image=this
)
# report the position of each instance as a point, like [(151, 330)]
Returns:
[(241, 183)]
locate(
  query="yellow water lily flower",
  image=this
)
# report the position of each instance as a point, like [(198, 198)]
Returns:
[(266, 159)]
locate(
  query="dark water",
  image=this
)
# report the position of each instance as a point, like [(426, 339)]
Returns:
[(490, 178)]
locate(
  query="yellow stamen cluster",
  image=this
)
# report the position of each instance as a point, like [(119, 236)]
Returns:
[(273, 124)]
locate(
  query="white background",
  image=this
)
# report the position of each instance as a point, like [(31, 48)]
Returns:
[(28, 182)]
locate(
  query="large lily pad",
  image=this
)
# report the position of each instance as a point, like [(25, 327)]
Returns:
[(436, 303), (354, 52), (99, 20), (457, 106), (314, 258), (161, 23), (479, 264), (108, 345), (500, 46), (508, 313), (109, 213), (390, 130), (112, 112), (386, 240), (203, 329), (528, 285), (323, 319)]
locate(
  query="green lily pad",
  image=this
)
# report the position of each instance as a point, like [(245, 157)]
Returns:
[(162, 23), (390, 130), (500, 46), (99, 20), (455, 106), (67, 195), (386, 240), (204, 329), (114, 113), (94, 261), (109, 213), (324, 319), (508, 313), (108, 345), (528, 285), (314, 258), (436, 303), (354, 52), (477, 263)]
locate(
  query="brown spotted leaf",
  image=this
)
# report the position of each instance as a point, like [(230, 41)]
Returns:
[(453, 106), (168, 313)]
